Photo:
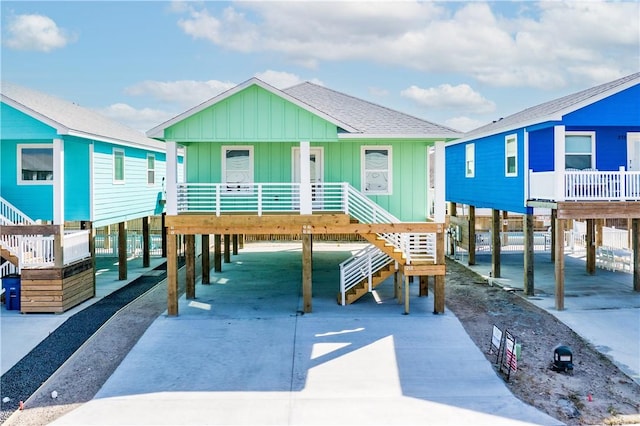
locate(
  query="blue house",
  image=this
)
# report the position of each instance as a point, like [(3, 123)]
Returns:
[(67, 171), (577, 156)]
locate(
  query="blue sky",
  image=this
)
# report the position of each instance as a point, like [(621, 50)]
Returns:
[(457, 63)]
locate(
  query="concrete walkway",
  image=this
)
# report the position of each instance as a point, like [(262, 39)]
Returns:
[(242, 353)]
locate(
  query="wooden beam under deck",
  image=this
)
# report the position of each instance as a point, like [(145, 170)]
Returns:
[(598, 210)]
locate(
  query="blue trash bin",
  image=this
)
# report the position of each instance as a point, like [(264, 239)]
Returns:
[(11, 285)]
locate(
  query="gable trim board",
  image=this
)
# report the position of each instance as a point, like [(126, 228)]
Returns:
[(158, 131)]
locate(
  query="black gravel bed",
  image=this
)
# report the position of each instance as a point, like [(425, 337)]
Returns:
[(24, 378)]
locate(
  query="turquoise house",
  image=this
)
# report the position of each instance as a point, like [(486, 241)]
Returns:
[(67, 171), (308, 151)]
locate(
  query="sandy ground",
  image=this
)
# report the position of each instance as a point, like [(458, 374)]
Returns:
[(596, 392)]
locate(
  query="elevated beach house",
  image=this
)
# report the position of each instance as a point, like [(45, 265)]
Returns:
[(304, 161), (577, 157), (67, 171)]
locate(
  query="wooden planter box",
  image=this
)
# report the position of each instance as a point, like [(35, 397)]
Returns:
[(56, 290)]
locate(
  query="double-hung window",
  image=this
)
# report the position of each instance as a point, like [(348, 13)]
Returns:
[(376, 170), (151, 169), (511, 155), (35, 164), (237, 168), (470, 160), (578, 150), (118, 165)]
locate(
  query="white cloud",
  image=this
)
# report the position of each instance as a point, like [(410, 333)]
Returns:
[(186, 93), (139, 119), (35, 32), (544, 45), (464, 124), (282, 79), (461, 97)]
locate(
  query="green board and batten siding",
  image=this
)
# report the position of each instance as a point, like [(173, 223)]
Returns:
[(273, 126), (253, 114)]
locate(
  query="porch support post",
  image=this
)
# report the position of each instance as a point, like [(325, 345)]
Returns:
[(554, 215), (599, 225), (227, 248), (190, 264), (172, 275), (438, 285), (424, 286), (122, 250), (452, 241), (206, 260), (241, 241), (591, 247), (495, 243), (58, 246), (559, 153), (472, 235), (406, 295), (635, 247), (58, 182), (235, 244), (397, 277), (505, 228), (305, 178), (528, 255), (440, 205), (559, 269), (307, 279), (172, 178), (163, 227), (146, 255), (217, 253)]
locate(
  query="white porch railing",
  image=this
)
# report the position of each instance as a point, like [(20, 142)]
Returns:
[(10, 214), (37, 251), (585, 185), (361, 265)]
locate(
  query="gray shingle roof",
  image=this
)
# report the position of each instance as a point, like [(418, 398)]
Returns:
[(555, 109), (70, 119), (370, 119)]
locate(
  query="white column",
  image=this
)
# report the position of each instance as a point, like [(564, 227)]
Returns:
[(305, 178), (558, 166), (58, 182), (440, 207), (172, 178)]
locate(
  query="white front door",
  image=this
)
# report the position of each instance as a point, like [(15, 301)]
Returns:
[(633, 151), (316, 166)]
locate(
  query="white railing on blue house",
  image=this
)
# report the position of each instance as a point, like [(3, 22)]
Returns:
[(37, 251), (585, 185), (10, 214)]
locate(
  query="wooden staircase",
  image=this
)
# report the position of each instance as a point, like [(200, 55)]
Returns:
[(9, 257), (362, 287), (386, 247)]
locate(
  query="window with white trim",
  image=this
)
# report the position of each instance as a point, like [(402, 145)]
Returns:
[(376, 170), (35, 164), (151, 169), (511, 155), (237, 168), (578, 150), (470, 160), (118, 165)]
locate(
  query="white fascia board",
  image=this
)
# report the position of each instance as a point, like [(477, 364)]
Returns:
[(60, 128), (158, 131), (157, 148), (394, 136), (556, 116)]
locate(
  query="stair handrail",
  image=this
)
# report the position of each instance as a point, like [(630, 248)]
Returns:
[(14, 215), (360, 266)]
